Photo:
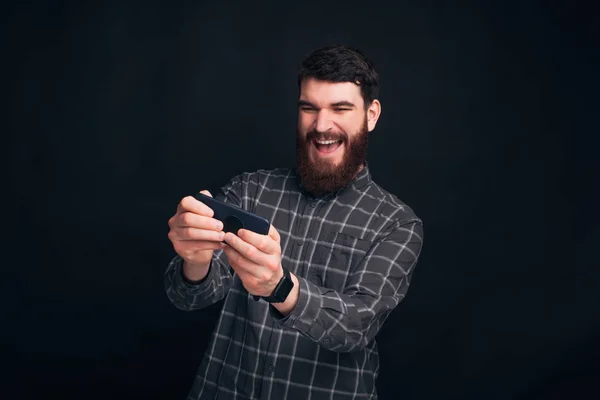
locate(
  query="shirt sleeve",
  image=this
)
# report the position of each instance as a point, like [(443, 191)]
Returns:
[(216, 284), (348, 321)]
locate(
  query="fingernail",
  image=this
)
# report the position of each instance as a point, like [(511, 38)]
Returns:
[(219, 225), (222, 235)]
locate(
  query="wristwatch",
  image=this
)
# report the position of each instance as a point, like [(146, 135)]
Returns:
[(283, 288)]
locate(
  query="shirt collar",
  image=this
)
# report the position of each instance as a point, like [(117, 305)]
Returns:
[(363, 178)]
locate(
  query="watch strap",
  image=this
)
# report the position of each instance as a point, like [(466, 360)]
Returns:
[(283, 288)]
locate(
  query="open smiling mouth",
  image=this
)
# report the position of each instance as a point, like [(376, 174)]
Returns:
[(327, 146)]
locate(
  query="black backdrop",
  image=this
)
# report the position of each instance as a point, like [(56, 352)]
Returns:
[(116, 111)]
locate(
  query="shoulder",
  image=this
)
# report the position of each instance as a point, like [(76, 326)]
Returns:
[(245, 188), (390, 206), (252, 183), (264, 177), (277, 174)]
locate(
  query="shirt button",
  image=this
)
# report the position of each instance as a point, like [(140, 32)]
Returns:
[(313, 204), (299, 242), (315, 279), (326, 342), (271, 368)]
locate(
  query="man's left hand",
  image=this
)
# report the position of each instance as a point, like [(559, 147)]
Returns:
[(256, 259)]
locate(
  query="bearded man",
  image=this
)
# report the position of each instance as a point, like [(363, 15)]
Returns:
[(303, 303)]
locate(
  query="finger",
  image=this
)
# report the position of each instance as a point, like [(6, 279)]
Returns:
[(241, 264), (274, 234), (191, 204), (198, 245), (264, 243), (206, 193), (188, 233), (244, 275), (250, 252), (189, 219), (247, 279)]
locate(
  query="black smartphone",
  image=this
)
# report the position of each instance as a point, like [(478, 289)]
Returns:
[(235, 218)]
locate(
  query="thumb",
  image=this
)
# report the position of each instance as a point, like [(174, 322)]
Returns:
[(206, 192)]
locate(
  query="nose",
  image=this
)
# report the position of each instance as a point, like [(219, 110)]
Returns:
[(323, 123)]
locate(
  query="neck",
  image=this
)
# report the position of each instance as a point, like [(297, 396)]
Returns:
[(360, 168)]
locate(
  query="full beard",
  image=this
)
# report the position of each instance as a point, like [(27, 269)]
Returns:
[(322, 177)]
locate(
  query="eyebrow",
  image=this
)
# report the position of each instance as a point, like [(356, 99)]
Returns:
[(304, 103), (337, 104)]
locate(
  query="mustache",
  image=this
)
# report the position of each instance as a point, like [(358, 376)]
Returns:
[(314, 135)]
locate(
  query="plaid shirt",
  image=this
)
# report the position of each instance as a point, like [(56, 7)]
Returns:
[(353, 252)]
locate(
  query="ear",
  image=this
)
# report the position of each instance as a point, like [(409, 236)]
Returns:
[(373, 113)]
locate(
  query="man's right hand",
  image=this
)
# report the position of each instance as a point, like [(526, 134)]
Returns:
[(195, 235)]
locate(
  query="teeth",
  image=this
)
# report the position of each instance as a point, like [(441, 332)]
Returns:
[(326, 141)]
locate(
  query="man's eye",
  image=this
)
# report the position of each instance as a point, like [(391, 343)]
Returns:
[(307, 109), (338, 109)]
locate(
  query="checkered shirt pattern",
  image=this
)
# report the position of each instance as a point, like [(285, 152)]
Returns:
[(354, 252)]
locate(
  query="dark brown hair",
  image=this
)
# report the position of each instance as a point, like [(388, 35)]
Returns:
[(342, 64)]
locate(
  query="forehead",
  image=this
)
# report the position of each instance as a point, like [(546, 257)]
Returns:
[(323, 93)]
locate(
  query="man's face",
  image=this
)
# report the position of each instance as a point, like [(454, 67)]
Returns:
[(332, 134)]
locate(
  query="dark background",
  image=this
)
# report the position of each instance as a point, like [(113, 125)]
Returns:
[(114, 112)]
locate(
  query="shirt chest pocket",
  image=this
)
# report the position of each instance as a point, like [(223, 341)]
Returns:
[(335, 255)]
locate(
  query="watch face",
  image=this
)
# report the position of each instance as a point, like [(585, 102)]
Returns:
[(284, 287)]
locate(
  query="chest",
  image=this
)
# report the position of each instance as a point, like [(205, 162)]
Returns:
[(322, 241)]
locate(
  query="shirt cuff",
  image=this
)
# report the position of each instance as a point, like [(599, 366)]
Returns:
[(186, 285), (304, 315)]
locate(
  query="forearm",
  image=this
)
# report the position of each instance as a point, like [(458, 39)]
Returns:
[(349, 319), (338, 322)]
